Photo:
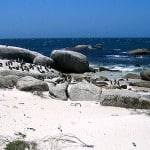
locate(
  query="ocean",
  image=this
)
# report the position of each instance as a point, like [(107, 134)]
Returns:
[(113, 55)]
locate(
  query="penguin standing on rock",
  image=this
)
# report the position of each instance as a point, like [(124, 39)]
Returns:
[(110, 82), (118, 84), (115, 82), (31, 66), (46, 68), (1, 64), (26, 68), (10, 67)]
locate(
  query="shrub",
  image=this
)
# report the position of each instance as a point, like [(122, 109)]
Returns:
[(20, 145)]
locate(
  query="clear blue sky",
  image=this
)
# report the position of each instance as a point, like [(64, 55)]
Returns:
[(74, 18)]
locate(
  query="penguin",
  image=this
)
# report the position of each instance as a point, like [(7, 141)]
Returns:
[(115, 82), (46, 68), (38, 68), (42, 71), (31, 66), (17, 67), (6, 63), (110, 82), (1, 65), (22, 68), (118, 83), (10, 67), (26, 68), (11, 62)]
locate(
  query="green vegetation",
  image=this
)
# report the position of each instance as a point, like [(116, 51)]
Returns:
[(20, 145)]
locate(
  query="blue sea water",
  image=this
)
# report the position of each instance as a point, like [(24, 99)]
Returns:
[(113, 55)]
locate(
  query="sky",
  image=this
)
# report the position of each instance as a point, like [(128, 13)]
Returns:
[(74, 18)]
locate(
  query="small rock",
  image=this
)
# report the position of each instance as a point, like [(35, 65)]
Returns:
[(132, 76), (29, 83), (145, 75), (58, 90)]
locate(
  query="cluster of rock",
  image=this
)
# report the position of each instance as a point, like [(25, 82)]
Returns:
[(84, 47), (65, 61), (40, 74), (139, 52)]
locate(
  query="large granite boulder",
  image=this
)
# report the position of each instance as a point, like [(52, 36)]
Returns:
[(11, 52), (8, 81), (43, 60), (84, 91), (124, 98), (70, 62), (29, 83), (58, 90), (145, 75), (139, 52)]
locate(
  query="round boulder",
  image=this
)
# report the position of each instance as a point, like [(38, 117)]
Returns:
[(29, 83), (145, 75), (84, 91), (58, 90), (70, 61), (8, 81), (43, 60)]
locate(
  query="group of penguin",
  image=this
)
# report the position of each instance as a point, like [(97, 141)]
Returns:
[(23, 66)]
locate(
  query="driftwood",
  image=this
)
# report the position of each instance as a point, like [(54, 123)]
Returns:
[(58, 142)]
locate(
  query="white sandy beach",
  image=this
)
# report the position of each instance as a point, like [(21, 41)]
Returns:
[(106, 128)]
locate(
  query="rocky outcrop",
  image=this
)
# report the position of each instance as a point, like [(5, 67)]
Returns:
[(145, 75), (8, 81), (102, 78), (58, 90), (106, 69), (70, 62), (11, 52), (84, 47), (78, 47), (84, 91), (43, 60), (29, 83), (132, 76), (124, 98), (51, 74), (145, 84), (139, 52)]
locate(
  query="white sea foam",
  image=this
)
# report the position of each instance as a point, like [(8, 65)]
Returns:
[(117, 49), (117, 56), (140, 57), (124, 68)]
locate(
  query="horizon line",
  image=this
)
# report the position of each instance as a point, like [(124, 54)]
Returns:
[(67, 38)]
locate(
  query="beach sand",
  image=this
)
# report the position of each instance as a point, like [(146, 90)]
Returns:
[(40, 118)]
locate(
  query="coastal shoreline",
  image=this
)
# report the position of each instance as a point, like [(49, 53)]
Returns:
[(41, 104)]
